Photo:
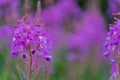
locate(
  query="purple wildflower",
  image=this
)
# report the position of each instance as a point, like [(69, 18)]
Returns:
[(112, 41), (31, 43), (112, 45), (30, 35)]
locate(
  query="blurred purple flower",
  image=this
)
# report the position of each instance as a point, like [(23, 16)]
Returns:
[(6, 33), (113, 7), (90, 34), (7, 8), (5, 2), (54, 15)]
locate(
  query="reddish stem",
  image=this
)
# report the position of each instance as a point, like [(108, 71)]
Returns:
[(29, 51), (30, 69)]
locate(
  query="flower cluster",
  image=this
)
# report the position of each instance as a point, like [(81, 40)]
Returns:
[(29, 38), (31, 44), (113, 42)]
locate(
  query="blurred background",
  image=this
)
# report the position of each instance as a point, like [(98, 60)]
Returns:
[(77, 28)]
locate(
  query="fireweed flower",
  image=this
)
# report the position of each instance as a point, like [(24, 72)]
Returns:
[(30, 35), (112, 42), (31, 44), (112, 48)]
